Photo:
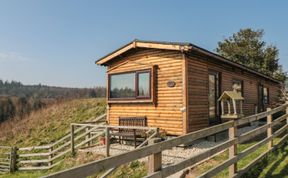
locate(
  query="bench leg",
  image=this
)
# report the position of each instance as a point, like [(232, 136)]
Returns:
[(134, 134)]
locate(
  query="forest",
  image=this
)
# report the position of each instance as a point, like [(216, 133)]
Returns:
[(18, 100)]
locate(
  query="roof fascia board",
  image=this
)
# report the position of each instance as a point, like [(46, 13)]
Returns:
[(235, 64), (136, 44), (116, 53), (163, 46)]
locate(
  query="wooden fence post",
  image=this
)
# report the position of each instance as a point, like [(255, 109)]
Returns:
[(154, 160), (50, 156), (107, 139), (269, 130), (72, 140), (13, 159), (233, 149)]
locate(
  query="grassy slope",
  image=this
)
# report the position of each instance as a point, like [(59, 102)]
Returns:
[(47, 125)]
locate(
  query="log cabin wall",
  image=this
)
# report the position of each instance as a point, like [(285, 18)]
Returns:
[(198, 70), (165, 113)]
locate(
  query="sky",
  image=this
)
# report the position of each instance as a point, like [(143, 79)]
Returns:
[(56, 42)]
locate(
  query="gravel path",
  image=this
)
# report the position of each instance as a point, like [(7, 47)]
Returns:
[(170, 156)]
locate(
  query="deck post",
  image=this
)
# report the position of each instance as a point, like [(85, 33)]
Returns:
[(233, 148), (269, 130), (107, 140), (72, 140), (154, 160), (13, 159)]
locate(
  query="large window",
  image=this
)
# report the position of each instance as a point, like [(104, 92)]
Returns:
[(130, 85)]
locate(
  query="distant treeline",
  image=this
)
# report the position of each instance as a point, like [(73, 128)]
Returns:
[(19, 100)]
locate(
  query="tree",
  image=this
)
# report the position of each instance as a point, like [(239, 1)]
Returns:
[(247, 47)]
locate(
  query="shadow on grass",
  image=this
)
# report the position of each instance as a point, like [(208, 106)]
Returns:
[(284, 170)]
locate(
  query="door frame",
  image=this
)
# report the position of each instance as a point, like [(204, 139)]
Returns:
[(261, 105), (218, 82)]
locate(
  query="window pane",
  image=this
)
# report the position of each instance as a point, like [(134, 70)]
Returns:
[(122, 85), (144, 84), (265, 95), (212, 98)]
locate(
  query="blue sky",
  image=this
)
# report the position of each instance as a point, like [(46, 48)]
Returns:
[(56, 42)]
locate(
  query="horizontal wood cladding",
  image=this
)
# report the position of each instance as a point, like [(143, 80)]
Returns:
[(166, 113), (197, 94), (198, 68)]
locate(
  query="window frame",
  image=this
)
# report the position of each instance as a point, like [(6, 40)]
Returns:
[(136, 96), (268, 96), (137, 84)]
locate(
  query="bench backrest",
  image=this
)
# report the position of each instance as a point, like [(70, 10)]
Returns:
[(133, 121)]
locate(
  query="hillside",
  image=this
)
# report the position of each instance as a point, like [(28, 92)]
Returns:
[(47, 125), (19, 100)]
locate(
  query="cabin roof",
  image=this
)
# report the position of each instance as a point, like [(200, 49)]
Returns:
[(231, 95), (176, 46)]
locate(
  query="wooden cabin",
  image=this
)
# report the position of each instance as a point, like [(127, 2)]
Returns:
[(176, 86)]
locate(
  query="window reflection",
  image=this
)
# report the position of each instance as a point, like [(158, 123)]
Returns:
[(122, 85), (144, 84)]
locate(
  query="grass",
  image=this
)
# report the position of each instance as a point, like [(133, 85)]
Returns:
[(275, 165), (256, 171), (48, 125)]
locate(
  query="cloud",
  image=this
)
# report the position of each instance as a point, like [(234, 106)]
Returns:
[(12, 56)]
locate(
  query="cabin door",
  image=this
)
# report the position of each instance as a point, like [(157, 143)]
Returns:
[(260, 98), (213, 95)]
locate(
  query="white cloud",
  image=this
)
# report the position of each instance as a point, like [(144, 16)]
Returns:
[(12, 56)]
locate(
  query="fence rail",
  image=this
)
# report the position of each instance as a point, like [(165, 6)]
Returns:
[(154, 151)]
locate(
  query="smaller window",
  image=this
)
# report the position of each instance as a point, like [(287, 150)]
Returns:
[(238, 86), (265, 95), (143, 89)]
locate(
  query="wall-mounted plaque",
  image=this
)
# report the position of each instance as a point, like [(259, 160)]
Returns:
[(171, 83)]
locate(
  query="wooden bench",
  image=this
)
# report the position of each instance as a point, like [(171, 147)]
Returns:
[(131, 134)]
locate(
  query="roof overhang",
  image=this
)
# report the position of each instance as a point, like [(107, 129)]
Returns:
[(176, 46), (144, 44)]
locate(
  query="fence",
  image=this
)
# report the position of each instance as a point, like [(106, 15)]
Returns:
[(154, 151), (6, 154), (43, 157)]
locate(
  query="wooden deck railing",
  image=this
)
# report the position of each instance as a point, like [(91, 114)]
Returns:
[(5, 159), (154, 151), (48, 156)]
